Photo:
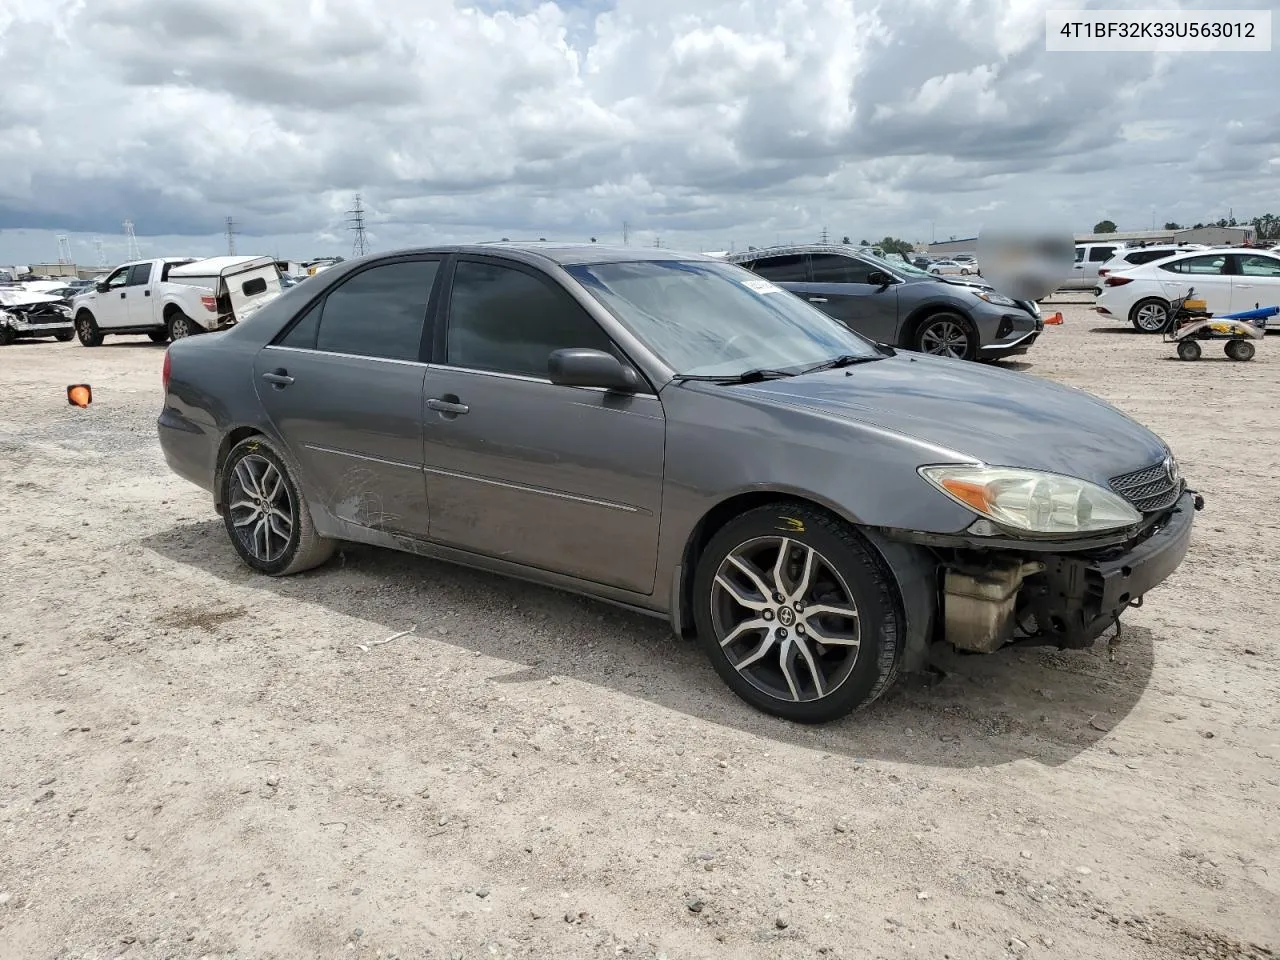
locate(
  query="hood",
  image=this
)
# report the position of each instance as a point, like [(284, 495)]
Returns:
[(22, 298), (997, 416)]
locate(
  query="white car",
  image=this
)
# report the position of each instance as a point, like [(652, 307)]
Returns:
[(944, 267), (1228, 279), (1127, 257)]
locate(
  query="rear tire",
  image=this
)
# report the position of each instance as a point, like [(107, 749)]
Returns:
[(179, 325), (1240, 350), (264, 513), (159, 336), (7, 336), (946, 334), (1188, 350), (65, 337), (87, 329), (1150, 315), (766, 649)]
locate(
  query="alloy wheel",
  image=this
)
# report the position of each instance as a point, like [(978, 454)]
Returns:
[(945, 338), (179, 327), (1151, 317), (785, 619), (261, 507)]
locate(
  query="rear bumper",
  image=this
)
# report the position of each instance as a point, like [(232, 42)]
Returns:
[(188, 449)]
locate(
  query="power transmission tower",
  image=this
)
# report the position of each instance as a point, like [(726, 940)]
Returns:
[(657, 241), (355, 217), (626, 233), (825, 238), (102, 254), (64, 249), (132, 250), (231, 237)]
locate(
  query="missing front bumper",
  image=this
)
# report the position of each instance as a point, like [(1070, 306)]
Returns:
[(1063, 599)]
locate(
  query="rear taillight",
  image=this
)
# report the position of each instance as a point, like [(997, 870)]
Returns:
[(210, 303), (1103, 271), (164, 371), (1118, 281)]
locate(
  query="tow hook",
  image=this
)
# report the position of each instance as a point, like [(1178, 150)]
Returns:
[(1197, 500)]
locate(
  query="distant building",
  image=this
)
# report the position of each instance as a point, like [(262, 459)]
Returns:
[(1209, 236)]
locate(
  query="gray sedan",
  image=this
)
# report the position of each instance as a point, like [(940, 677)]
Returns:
[(682, 437)]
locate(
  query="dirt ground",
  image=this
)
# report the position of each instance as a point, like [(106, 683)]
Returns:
[(196, 761)]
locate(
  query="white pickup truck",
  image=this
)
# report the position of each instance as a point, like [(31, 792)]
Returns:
[(170, 297)]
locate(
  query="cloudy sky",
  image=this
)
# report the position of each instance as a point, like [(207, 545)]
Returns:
[(700, 124)]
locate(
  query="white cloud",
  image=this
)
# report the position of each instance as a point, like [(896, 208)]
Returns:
[(707, 123)]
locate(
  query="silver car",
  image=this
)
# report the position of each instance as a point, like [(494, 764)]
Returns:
[(679, 436)]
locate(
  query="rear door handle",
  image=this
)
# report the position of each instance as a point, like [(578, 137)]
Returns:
[(817, 299), (280, 378), (447, 406), (122, 295)]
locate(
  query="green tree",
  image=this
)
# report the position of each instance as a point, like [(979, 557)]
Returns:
[(1104, 226), (894, 245), (847, 242), (864, 243), (1173, 226), (1266, 227)]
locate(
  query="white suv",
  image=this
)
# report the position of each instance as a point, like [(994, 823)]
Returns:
[(1127, 257)]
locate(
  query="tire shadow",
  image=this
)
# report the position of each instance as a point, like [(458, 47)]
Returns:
[(1038, 704)]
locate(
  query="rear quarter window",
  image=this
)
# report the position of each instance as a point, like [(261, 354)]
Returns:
[(254, 286)]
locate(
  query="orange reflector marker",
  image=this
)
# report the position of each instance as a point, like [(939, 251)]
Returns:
[(79, 394), (974, 494), (1053, 318)]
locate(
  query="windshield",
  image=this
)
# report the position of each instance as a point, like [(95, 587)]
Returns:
[(901, 266), (717, 319)]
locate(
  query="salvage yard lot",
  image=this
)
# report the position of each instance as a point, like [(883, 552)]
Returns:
[(196, 761)]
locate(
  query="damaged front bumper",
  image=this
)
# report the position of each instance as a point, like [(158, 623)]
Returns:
[(16, 322), (1050, 595)]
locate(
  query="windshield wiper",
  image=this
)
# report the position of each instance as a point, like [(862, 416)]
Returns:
[(847, 360), (747, 376)]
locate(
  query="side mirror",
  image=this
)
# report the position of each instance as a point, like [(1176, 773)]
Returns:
[(584, 367), (879, 278), (100, 287)]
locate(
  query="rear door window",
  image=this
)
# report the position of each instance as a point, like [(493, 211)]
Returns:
[(1101, 254), (787, 269), (833, 268)]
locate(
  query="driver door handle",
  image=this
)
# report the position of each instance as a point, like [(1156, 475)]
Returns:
[(817, 299), (447, 406), (280, 378)]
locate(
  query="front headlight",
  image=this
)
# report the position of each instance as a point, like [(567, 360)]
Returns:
[(999, 299), (1032, 501)]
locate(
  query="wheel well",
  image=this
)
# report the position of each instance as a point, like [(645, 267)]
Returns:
[(82, 312), (228, 442), (169, 310), (710, 525)]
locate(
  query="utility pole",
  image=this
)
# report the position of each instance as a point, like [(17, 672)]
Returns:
[(355, 217), (132, 250), (231, 237)]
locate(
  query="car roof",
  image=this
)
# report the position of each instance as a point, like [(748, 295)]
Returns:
[(791, 249), (564, 254)]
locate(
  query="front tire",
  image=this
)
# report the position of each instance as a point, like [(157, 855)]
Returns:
[(265, 514), (946, 335), (1150, 315), (64, 337), (1188, 350), (159, 336), (87, 329), (797, 613)]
